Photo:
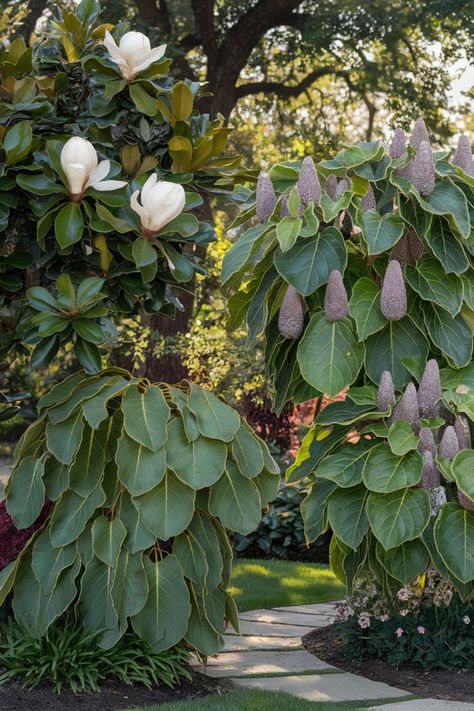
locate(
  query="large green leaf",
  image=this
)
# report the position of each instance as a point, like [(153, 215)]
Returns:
[(268, 484), (7, 578), (95, 409), (139, 468), (385, 472), (145, 416), (214, 418), (462, 469), (163, 620), (405, 562), (130, 587), (69, 225), (247, 452), (329, 355), (446, 247), (364, 307), (96, 602), (432, 283), (71, 514), (386, 349), (235, 500), (64, 438), (451, 334), (399, 516), (401, 437), (345, 412), (345, 467), (81, 390), (447, 199), (168, 508), (454, 538), (25, 492), (206, 533), (108, 536), (87, 470), (347, 516), (191, 557), (200, 633), (465, 590), (139, 537), (307, 265), (237, 255), (48, 562), (55, 478), (189, 420), (313, 509), (198, 463), (381, 232)]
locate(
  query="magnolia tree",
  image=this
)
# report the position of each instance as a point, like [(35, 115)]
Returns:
[(122, 490), (359, 274)]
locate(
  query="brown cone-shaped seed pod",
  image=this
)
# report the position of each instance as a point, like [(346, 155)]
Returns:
[(368, 201), (449, 445), (407, 407), (341, 187), (419, 134), (398, 145), (423, 170), (335, 298), (427, 442), (429, 390), (393, 296), (417, 248), (291, 315), (431, 478), (463, 433), (266, 198), (331, 187), (386, 392), (308, 186), (463, 156), (465, 502)]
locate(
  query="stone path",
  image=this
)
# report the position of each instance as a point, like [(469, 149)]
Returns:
[(269, 654)]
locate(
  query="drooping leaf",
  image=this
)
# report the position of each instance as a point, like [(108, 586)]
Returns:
[(345, 467), (48, 562), (399, 516), (198, 463), (108, 536), (386, 350), (145, 416), (71, 514), (235, 500), (139, 469), (405, 562), (364, 307), (454, 538), (64, 438), (385, 472), (347, 515), (25, 492), (215, 419), (168, 508), (432, 283)]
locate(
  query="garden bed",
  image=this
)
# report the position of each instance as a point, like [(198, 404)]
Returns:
[(113, 695), (438, 684)]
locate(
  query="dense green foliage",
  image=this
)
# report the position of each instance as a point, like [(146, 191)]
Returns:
[(69, 656)]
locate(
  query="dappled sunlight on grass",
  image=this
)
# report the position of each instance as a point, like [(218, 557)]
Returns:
[(275, 583)]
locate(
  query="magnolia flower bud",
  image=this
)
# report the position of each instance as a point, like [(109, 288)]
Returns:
[(431, 478), (331, 186), (336, 306), (398, 146), (368, 201), (463, 433), (465, 502), (133, 54), (463, 156), (429, 390), (308, 186), (393, 296), (386, 392), (161, 202), (419, 134), (82, 169), (341, 188), (266, 198), (407, 407), (449, 445), (427, 442), (423, 170), (291, 315)]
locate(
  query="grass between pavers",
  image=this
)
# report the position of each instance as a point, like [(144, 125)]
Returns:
[(259, 700), (275, 583)]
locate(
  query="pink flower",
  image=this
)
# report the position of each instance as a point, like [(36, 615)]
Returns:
[(403, 594), (364, 620), (466, 619), (421, 630), (399, 632)]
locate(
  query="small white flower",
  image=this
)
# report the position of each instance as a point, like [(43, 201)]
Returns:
[(82, 168), (161, 202), (133, 53), (466, 619)]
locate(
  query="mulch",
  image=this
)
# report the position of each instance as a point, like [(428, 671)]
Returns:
[(438, 684), (113, 696)]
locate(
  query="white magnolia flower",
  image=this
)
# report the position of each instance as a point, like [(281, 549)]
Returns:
[(161, 202), (134, 53), (83, 170)]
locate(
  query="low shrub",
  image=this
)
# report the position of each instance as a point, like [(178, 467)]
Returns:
[(70, 656), (426, 624)]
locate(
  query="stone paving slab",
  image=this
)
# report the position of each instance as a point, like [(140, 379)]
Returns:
[(250, 662), (234, 643), (318, 608), (426, 705), (325, 687), (280, 630), (285, 618)]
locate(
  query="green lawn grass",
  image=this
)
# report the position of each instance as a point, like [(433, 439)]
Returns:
[(273, 583), (252, 700)]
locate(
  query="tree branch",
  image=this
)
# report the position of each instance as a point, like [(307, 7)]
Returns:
[(153, 15), (204, 16), (287, 91)]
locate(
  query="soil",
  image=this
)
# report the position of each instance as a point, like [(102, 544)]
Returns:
[(113, 696), (437, 684)]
